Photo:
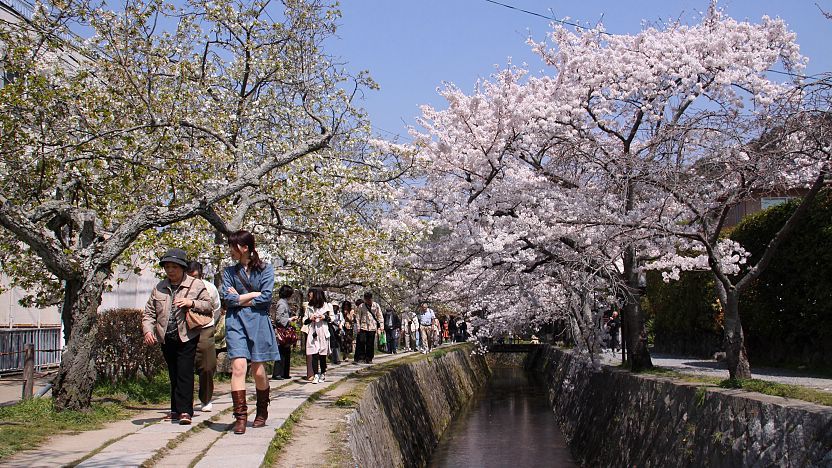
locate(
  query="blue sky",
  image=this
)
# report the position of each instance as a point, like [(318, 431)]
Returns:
[(411, 47)]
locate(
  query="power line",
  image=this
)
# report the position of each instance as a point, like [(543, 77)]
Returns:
[(578, 26), (404, 137), (540, 15)]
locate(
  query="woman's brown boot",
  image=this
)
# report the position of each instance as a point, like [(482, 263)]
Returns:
[(262, 408), (238, 398)]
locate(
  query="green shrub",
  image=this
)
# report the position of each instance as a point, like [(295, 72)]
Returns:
[(786, 313), (683, 316)]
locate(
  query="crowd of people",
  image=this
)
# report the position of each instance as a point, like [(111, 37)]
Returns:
[(193, 321)]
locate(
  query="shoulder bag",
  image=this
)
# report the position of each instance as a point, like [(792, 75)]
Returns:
[(196, 320)]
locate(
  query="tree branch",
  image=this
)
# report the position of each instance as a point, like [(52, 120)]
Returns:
[(154, 216), (40, 241)]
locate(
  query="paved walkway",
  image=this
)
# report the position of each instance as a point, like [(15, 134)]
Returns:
[(711, 368), (11, 387), (148, 440)]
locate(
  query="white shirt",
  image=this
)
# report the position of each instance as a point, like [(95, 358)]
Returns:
[(215, 302)]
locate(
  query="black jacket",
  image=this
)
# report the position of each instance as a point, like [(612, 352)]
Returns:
[(392, 321)]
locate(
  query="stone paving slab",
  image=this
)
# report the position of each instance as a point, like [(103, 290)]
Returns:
[(250, 449), (141, 445)]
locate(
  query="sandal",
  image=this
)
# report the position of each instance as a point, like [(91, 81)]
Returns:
[(184, 419)]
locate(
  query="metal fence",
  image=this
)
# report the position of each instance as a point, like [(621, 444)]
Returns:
[(47, 343)]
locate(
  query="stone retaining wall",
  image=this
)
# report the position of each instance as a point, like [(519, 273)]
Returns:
[(402, 415), (614, 418)]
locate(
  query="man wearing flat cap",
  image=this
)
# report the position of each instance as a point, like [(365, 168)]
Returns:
[(163, 321)]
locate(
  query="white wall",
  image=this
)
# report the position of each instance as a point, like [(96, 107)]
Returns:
[(132, 292), (12, 313)]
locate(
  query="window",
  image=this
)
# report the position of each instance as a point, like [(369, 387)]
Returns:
[(768, 202)]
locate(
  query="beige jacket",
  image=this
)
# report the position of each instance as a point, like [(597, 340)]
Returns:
[(157, 310), (365, 317)]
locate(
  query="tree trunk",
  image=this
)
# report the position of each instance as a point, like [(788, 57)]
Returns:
[(593, 340), (735, 355), (71, 290), (76, 376), (636, 330)]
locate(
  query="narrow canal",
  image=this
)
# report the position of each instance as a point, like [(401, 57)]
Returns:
[(509, 424)]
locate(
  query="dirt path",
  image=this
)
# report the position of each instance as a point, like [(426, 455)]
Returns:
[(320, 437)]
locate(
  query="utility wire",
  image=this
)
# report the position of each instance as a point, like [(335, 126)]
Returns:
[(568, 23), (578, 26)]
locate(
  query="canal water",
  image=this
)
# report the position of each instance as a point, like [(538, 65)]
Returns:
[(509, 424)]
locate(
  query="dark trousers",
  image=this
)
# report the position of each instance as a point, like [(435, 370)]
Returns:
[(346, 342), (206, 364), (335, 345), (365, 346), (319, 359), (308, 357), (392, 339), (179, 357), (281, 367)]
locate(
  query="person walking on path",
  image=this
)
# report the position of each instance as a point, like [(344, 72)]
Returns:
[(369, 323), (283, 319), (613, 327), (426, 324), (415, 332), (163, 321), (336, 333), (392, 325), (359, 349), (317, 319), (206, 351), (247, 290), (349, 328), (404, 335)]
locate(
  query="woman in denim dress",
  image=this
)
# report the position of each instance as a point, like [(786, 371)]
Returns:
[(247, 292)]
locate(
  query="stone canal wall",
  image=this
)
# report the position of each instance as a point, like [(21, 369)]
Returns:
[(614, 418), (402, 415)]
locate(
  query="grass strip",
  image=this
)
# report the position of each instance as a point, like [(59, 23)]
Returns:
[(795, 392), (30, 423)]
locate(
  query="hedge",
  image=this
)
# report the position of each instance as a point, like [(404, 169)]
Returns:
[(786, 313), (684, 316), (122, 354)]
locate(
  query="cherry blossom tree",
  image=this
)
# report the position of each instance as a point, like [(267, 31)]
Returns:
[(586, 159)]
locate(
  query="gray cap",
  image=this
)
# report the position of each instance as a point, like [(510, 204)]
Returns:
[(177, 256)]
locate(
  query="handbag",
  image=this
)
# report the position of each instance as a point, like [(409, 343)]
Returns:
[(286, 336), (195, 320)]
